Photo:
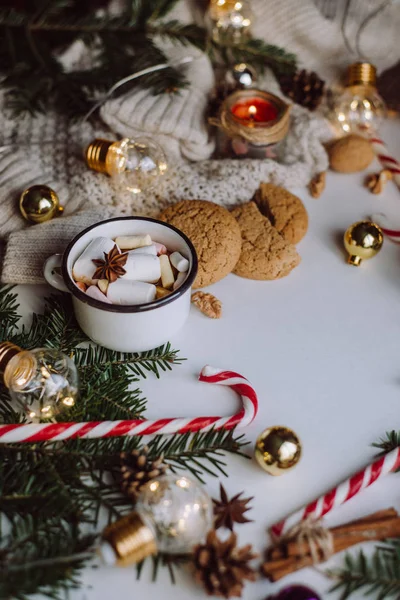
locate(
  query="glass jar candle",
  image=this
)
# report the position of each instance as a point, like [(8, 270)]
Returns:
[(251, 124)]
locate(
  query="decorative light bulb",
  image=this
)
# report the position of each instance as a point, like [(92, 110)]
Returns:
[(231, 20), (173, 513), (44, 382), (360, 108), (135, 165)]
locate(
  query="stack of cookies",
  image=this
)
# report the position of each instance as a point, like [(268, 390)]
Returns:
[(256, 240)]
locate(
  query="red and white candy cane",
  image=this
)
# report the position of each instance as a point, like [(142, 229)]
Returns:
[(386, 226), (387, 161), (342, 493), (46, 432)]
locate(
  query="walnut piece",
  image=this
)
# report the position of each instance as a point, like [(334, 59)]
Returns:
[(375, 182), (317, 184), (208, 304)]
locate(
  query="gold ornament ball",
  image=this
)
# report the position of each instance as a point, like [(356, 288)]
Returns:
[(362, 240), (39, 203), (278, 450)]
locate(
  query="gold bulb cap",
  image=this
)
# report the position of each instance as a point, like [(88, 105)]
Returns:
[(361, 73), (127, 541), (96, 155), (7, 352), (354, 260)]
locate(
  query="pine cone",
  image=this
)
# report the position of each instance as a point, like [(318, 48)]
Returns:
[(208, 304), (304, 88), (222, 567), (136, 469), (229, 511)]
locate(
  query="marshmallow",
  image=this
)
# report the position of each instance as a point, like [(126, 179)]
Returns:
[(129, 242), (84, 268), (103, 285), (94, 292), (178, 261), (179, 280), (161, 249), (142, 267), (145, 250), (167, 276), (124, 291)]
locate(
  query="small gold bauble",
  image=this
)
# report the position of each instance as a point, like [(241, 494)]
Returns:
[(39, 203), (278, 449), (362, 240)]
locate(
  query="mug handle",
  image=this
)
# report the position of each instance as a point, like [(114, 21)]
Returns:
[(51, 276)]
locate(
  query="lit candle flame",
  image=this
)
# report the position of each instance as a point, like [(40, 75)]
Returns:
[(252, 111)]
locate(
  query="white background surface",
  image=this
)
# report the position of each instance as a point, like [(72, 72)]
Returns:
[(321, 348)]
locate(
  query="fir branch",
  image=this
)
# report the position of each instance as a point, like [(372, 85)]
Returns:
[(258, 53), (169, 561), (55, 328), (102, 361), (199, 453), (9, 316), (29, 549), (378, 576), (30, 45), (180, 33), (388, 443)]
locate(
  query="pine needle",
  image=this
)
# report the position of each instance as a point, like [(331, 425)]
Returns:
[(388, 443)]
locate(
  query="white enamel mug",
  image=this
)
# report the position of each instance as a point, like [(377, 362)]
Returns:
[(126, 328)]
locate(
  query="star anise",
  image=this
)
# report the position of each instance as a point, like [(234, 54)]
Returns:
[(112, 266), (229, 511)]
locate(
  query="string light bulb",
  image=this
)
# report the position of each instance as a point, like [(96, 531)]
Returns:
[(359, 108), (135, 166), (44, 381), (231, 20), (172, 514)]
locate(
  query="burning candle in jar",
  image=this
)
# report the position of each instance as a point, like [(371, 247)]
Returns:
[(254, 110), (251, 124)]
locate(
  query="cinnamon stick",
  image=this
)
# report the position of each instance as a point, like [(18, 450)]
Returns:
[(376, 527), (345, 535), (295, 549)]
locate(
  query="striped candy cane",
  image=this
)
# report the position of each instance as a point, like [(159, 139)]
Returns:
[(342, 493), (46, 432), (384, 223), (385, 158)]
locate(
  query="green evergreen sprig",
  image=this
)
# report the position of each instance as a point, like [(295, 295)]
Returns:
[(257, 53), (388, 443), (32, 41), (51, 493), (377, 576)]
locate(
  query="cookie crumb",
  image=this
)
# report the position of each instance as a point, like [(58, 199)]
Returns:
[(317, 184), (376, 182)]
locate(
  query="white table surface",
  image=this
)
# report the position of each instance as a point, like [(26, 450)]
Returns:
[(321, 347)]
